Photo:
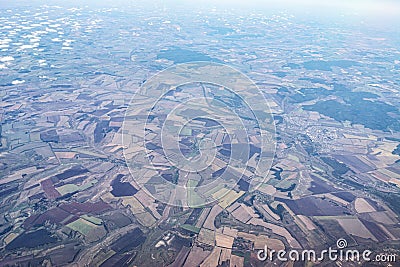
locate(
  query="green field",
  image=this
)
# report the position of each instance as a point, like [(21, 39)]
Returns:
[(194, 199), (190, 228), (67, 189), (92, 219), (82, 226)]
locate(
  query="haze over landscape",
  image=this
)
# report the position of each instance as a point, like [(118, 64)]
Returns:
[(195, 133)]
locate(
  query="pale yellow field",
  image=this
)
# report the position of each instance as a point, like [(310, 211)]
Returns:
[(236, 261), (134, 204), (230, 231), (145, 219), (261, 241), (206, 236), (65, 155), (213, 259), (307, 222), (353, 226), (225, 255), (223, 241), (362, 206)]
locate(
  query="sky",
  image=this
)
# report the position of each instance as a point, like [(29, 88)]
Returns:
[(385, 10), (366, 7)]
